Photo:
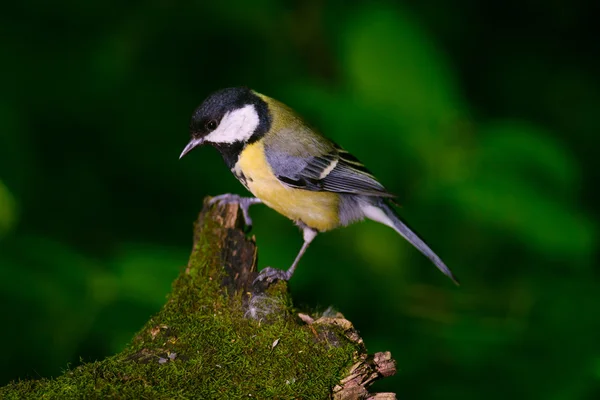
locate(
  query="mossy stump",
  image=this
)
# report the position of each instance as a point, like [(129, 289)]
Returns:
[(220, 337)]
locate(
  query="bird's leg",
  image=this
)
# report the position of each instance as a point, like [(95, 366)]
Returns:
[(271, 274), (243, 202)]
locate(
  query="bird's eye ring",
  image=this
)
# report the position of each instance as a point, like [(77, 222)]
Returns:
[(211, 125)]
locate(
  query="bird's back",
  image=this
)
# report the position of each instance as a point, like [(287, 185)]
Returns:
[(290, 132)]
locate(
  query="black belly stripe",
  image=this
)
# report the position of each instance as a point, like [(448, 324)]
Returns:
[(230, 152)]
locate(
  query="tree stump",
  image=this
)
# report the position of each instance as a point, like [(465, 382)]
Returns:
[(219, 336)]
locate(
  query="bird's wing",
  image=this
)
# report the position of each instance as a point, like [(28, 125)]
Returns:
[(302, 158), (333, 171)]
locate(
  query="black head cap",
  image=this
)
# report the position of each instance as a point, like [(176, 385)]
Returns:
[(209, 114)]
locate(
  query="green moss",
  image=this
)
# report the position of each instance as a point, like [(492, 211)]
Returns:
[(200, 345)]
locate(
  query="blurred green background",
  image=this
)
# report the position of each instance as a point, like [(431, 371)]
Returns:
[(482, 118)]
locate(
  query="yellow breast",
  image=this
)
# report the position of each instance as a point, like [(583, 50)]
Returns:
[(318, 210)]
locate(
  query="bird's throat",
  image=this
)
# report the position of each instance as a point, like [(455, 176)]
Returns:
[(230, 152)]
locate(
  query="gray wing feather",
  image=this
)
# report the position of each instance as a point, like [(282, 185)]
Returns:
[(334, 171)]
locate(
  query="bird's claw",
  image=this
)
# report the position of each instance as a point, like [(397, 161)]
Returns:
[(243, 202), (270, 275)]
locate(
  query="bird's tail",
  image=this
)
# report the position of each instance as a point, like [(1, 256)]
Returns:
[(384, 213)]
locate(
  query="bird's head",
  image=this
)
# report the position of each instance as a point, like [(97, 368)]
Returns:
[(228, 117)]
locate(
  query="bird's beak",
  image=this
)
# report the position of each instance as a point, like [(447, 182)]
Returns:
[(190, 146)]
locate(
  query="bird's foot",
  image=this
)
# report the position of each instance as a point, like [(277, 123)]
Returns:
[(243, 202), (270, 274)]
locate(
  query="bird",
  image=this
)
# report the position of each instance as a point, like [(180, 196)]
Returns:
[(293, 169)]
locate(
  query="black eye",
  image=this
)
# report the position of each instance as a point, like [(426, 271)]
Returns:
[(211, 125)]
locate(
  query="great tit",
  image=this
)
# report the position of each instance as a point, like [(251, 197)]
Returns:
[(293, 169)]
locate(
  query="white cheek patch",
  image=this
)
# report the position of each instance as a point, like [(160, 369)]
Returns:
[(236, 126)]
